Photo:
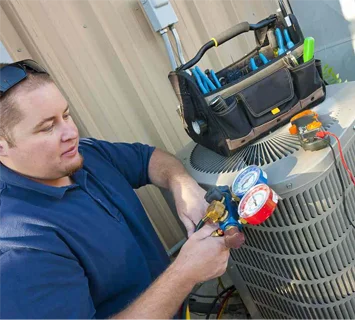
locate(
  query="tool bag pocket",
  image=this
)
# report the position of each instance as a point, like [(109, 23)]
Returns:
[(233, 120), (307, 80), (269, 98)]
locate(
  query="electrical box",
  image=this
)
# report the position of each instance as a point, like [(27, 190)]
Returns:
[(160, 13)]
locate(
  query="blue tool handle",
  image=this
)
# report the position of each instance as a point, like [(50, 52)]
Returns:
[(205, 79), (253, 64), (215, 79), (263, 58), (289, 42), (280, 41), (199, 82)]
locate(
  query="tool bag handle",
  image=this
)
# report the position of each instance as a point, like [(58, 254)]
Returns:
[(225, 36)]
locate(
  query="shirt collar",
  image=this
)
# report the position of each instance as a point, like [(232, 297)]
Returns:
[(13, 178)]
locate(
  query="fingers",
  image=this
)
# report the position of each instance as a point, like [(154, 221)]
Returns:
[(222, 243), (205, 231), (189, 225), (211, 223)]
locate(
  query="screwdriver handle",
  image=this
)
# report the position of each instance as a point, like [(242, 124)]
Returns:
[(308, 49), (280, 41), (289, 43)]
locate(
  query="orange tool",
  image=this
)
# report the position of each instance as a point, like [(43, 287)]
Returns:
[(306, 125)]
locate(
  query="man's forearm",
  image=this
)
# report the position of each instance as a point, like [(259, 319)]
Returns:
[(168, 172), (162, 299)]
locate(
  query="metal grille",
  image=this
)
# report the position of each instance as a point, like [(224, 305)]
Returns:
[(301, 262), (265, 151)]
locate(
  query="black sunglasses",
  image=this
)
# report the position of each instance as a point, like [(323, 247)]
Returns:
[(13, 73)]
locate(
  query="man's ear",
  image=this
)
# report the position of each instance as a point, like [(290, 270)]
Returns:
[(4, 147)]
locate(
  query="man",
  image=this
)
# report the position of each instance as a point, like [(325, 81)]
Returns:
[(75, 241)]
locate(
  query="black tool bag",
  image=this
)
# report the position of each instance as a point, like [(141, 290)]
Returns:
[(256, 102)]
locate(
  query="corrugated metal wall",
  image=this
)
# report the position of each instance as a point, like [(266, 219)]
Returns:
[(113, 68)]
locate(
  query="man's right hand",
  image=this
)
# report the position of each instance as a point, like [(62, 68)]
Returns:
[(202, 257)]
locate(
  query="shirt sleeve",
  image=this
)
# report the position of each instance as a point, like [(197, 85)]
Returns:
[(132, 160), (37, 284)]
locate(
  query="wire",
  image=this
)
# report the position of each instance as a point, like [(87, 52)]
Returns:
[(200, 225), (202, 296), (176, 247), (342, 186), (216, 299), (169, 48), (221, 282), (188, 315), (224, 303), (185, 307), (218, 293), (322, 135), (178, 44)]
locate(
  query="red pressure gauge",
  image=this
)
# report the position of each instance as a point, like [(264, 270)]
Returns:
[(258, 204)]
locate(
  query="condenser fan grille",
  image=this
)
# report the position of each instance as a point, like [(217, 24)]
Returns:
[(267, 150), (260, 153)]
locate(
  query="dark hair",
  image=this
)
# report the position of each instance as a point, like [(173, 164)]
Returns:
[(10, 115)]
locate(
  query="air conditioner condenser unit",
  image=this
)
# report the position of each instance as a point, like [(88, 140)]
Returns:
[(300, 263)]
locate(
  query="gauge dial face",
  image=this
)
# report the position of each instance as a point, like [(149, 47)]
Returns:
[(253, 201), (245, 180)]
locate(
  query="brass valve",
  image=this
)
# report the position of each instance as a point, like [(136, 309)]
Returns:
[(215, 211)]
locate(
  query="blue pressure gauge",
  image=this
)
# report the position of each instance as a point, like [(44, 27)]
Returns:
[(246, 179)]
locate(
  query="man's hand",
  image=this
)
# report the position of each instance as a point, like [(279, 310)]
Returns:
[(190, 203), (203, 257), (168, 172)]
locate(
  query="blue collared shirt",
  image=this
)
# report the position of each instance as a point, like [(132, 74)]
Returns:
[(82, 251)]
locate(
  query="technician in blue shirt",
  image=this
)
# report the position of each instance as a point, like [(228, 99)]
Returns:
[(75, 241)]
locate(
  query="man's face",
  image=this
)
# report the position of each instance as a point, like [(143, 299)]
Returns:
[(46, 139)]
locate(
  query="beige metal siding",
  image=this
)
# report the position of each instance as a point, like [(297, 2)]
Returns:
[(113, 68)]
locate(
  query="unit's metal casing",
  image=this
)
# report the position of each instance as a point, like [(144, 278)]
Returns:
[(301, 262)]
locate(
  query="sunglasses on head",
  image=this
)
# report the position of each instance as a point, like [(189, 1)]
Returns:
[(14, 73)]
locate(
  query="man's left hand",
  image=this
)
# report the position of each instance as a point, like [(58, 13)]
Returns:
[(190, 204)]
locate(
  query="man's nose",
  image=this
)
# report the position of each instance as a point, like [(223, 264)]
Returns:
[(70, 131)]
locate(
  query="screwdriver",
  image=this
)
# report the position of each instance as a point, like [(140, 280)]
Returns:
[(280, 41), (308, 49)]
